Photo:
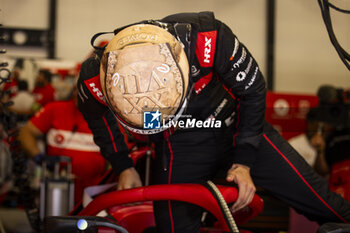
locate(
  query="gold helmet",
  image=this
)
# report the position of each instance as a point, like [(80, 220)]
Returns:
[(144, 73)]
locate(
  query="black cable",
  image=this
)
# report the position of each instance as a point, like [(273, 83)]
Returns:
[(332, 34), (339, 9), (231, 224), (343, 54), (324, 4)]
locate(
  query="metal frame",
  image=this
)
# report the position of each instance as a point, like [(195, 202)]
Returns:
[(270, 43), (42, 38)]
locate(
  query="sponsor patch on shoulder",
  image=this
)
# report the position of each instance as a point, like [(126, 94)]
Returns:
[(205, 51), (94, 86)]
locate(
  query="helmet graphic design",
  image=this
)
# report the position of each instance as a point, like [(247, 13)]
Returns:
[(144, 68)]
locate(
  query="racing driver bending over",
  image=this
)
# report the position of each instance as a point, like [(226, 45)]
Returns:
[(191, 65)]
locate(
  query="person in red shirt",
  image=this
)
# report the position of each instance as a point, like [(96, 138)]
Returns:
[(67, 134), (12, 85), (43, 91)]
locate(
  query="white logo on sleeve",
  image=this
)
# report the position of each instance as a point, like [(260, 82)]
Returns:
[(207, 50), (241, 76)]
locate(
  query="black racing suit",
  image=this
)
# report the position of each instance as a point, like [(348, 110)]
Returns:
[(228, 85)]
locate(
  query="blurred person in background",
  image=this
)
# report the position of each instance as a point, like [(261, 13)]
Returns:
[(334, 109), (67, 134), (43, 90), (23, 69), (12, 85), (23, 102), (326, 146), (310, 145)]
